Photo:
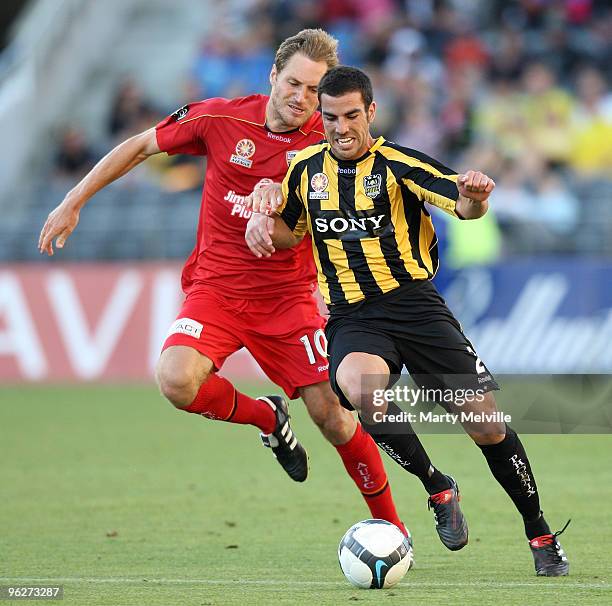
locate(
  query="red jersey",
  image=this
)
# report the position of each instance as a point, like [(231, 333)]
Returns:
[(241, 153)]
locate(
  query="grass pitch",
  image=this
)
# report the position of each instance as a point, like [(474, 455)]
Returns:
[(123, 500)]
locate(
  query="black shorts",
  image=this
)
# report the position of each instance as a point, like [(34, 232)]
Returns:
[(412, 327)]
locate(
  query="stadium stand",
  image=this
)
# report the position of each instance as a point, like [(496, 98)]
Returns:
[(520, 89)]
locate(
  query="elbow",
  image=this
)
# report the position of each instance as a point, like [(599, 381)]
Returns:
[(146, 143)]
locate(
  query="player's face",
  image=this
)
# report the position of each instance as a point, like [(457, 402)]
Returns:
[(347, 124), (293, 98)]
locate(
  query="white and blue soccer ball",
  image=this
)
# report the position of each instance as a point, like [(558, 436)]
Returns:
[(375, 554)]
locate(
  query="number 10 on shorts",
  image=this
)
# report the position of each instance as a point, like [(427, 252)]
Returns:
[(320, 344)]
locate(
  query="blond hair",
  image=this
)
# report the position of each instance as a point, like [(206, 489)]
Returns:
[(316, 44)]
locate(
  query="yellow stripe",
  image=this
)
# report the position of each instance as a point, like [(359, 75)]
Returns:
[(308, 152), (314, 130), (446, 204), (323, 287), (346, 277), (303, 187), (398, 156), (442, 202), (425, 235), (363, 202), (302, 224), (398, 218), (371, 246), (377, 144), (220, 116), (378, 264), (330, 168), (377, 490)]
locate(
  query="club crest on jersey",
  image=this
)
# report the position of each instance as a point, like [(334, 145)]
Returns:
[(319, 183), (372, 185), (180, 113), (245, 148), (290, 155)]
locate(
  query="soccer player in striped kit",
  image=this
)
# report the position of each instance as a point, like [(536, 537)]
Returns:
[(363, 202)]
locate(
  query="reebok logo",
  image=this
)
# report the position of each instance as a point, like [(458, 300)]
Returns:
[(278, 137)]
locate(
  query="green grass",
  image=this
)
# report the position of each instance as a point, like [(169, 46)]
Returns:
[(112, 493)]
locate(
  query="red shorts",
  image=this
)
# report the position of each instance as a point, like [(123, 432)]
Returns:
[(284, 334)]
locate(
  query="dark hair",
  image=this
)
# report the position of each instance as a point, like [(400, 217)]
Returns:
[(344, 79)]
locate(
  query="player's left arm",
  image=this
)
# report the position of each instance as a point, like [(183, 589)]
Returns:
[(464, 196)]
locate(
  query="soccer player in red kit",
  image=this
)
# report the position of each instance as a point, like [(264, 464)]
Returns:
[(234, 300)]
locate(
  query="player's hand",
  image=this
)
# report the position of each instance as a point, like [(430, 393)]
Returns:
[(60, 223), (265, 199), (475, 185), (258, 235)]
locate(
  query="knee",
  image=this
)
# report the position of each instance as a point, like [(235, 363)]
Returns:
[(350, 381), (176, 385), (350, 384), (360, 393), (486, 433), (493, 433), (360, 375)]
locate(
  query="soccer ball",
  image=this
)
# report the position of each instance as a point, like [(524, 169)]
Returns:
[(375, 554)]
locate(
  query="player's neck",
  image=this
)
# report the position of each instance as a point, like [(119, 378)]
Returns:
[(275, 122)]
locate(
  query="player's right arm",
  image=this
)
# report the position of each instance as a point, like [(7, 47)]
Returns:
[(265, 233), (63, 220), (183, 132)]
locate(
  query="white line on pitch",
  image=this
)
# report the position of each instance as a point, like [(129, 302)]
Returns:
[(275, 582)]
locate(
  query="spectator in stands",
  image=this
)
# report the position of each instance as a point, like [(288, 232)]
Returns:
[(509, 57), (215, 65), (481, 80), (466, 48), (546, 109), (129, 110), (421, 130), (498, 120), (74, 156), (592, 124)]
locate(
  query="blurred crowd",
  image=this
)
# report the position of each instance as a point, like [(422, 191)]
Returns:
[(518, 89)]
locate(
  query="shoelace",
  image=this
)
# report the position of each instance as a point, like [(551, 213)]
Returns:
[(553, 547), (559, 532)]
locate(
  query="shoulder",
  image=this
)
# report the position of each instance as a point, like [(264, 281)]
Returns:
[(412, 159), (301, 158), (250, 109)]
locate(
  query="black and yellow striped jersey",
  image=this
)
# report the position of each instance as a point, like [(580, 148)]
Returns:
[(371, 231)]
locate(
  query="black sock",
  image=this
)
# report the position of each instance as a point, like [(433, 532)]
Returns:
[(536, 528), (510, 466), (406, 450)]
